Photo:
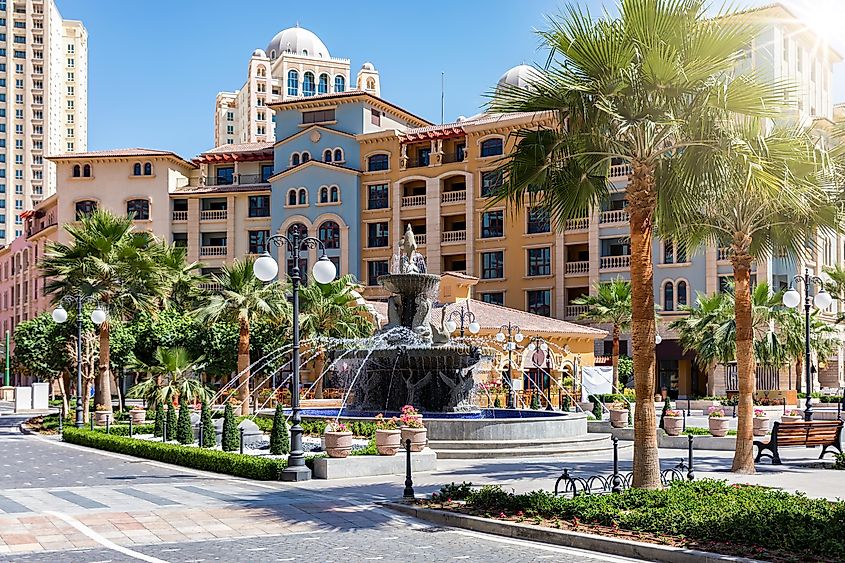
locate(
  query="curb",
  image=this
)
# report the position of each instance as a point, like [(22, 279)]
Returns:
[(565, 538)]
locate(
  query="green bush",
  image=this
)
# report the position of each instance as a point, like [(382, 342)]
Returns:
[(369, 449), (566, 403), (230, 439), (184, 431), (839, 461), (159, 420), (698, 431), (123, 429), (171, 422), (359, 428), (251, 467), (453, 491), (209, 433), (597, 408), (280, 433)]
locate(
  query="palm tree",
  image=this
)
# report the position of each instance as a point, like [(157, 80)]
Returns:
[(242, 299), (172, 375), (183, 276), (824, 339), (649, 88), (611, 304), (768, 196), (332, 310), (111, 262)]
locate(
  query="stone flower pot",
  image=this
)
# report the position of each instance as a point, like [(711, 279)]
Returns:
[(138, 416), (338, 444), (761, 425), (719, 425), (673, 425), (790, 418), (418, 437), (619, 418), (388, 442), (100, 417)]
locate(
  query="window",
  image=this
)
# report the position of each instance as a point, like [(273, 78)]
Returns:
[(303, 196), (318, 116), (324, 194), (540, 302), (334, 196), (85, 207), (293, 83), (339, 83), (376, 268), (323, 84), (258, 241), (86, 171), (148, 169), (180, 240), (492, 265), (306, 156), (329, 234), (292, 197), (298, 228), (266, 172), (308, 86), (540, 261), (682, 293), (377, 235), (490, 182), (375, 117), (225, 176), (259, 206), (139, 209), (338, 155), (674, 253), (492, 147), (294, 159), (77, 171), (327, 155), (492, 224), (230, 129), (377, 196), (494, 297), (378, 162), (136, 169), (230, 116), (538, 221), (669, 296)]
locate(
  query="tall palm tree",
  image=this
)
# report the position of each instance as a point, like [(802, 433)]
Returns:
[(610, 303), (243, 298), (824, 340), (332, 310), (768, 197), (172, 375), (184, 277), (111, 262), (650, 88)]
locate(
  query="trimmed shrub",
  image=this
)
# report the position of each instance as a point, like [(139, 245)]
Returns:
[(209, 433), (839, 461), (248, 466), (566, 403), (159, 420), (184, 432), (171, 422), (369, 449), (535, 401), (497, 404), (279, 435), (123, 429), (597, 408), (230, 441)]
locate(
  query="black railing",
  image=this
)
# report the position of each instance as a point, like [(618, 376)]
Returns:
[(453, 157), (767, 378), (236, 180), (417, 162)]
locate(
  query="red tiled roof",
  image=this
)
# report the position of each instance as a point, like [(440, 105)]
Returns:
[(120, 153), (240, 147)]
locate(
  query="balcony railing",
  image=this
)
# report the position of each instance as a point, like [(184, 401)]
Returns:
[(452, 197), (421, 239), (581, 267), (453, 236), (413, 201), (213, 250), (236, 180), (620, 170), (575, 311), (213, 215), (724, 254), (615, 262), (614, 216), (180, 215), (578, 224), (417, 162), (449, 157), (39, 226), (210, 286)]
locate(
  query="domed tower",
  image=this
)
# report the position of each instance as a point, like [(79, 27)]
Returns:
[(519, 76), (368, 80), (297, 41)]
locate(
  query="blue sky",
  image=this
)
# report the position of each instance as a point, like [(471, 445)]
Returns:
[(155, 66)]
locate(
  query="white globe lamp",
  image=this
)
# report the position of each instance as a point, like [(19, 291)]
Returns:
[(500, 337), (59, 314), (518, 337), (791, 298), (531, 347), (324, 270), (98, 316), (544, 347), (450, 326), (658, 339), (474, 327), (265, 268), (822, 300)]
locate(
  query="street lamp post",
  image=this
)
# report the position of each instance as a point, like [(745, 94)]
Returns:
[(822, 300), (464, 315), (538, 343), (98, 317), (266, 269), (510, 335)]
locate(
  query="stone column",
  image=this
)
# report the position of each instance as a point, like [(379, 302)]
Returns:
[(711, 275), (432, 225), (470, 220), (395, 209), (594, 244), (560, 275), (231, 251), (194, 239)]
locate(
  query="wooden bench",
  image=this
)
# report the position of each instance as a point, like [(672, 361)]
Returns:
[(825, 433)]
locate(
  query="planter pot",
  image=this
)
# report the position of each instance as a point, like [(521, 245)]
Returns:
[(418, 437), (338, 444), (761, 425), (719, 425), (619, 418), (138, 417), (388, 442), (787, 418), (100, 417), (673, 425)]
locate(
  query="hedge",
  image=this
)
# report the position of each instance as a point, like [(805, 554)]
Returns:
[(251, 467)]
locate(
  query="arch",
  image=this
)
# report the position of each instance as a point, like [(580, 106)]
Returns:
[(681, 292), (301, 227), (293, 83), (261, 71), (492, 146), (148, 169), (294, 159), (329, 234), (323, 84), (136, 169), (324, 194), (138, 208), (668, 295), (327, 155), (371, 83), (85, 207), (86, 170), (77, 171), (378, 161), (306, 156), (334, 196), (338, 155), (302, 197), (273, 54), (308, 85), (292, 197), (340, 83)]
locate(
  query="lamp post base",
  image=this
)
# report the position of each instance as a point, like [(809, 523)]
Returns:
[(299, 473)]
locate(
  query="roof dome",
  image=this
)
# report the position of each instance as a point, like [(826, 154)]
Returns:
[(367, 66), (259, 53), (518, 76), (297, 40)]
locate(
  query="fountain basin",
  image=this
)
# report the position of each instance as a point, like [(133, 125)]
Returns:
[(410, 284)]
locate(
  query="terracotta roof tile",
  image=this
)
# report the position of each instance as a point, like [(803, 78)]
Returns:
[(120, 153), (240, 147)]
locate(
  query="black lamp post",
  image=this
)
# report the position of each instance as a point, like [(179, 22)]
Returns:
[(822, 300), (266, 269), (510, 335), (538, 343), (98, 316), (463, 315)]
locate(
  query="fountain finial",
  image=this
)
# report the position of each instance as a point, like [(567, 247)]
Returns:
[(407, 250)]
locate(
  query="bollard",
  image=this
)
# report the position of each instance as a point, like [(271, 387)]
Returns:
[(408, 493), (734, 415), (241, 432), (201, 441), (690, 474), (617, 479), (684, 427), (108, 426), (784, 405), (689, 401), (130, 426), (91, 420), (164, 430), (61, 423)]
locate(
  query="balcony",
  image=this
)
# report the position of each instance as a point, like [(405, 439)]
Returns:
[(577, 268), (180, 215), (453, 197), (613, 216), (413, 201), (213, 215), (417, 162), (578, 224), (236, 180), (574, 311), (723, 254), (615, 262), (453, 237), (620, 170), (210, 286), (421, 239), (213, 250)]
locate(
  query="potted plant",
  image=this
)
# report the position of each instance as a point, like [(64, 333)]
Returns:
[(138, 414), (792, 415), (761, 422), (338, 439), (413, 428), (388, 435), (619, 414), (717, 421), (673, 422), (102, 414)]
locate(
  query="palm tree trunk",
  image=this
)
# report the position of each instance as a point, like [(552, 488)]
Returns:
[(243, 364), (642, 198), (86, 404), (614, 358), (102, 388), (744, 455), (319, 365)]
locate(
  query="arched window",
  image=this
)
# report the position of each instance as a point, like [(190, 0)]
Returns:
[(148, 169), (378, 162), (682, 293), (136, 169), (492, 147), (371, 84), (273, 54), (306, 156), (323, 84), (300, 228), (293, 83), (327, 155), (329, 235), (77, 171), (261, 71), (294, 159), (335, 194), (303, 196), (338, 155), (139, 209), (291, 197), (85, 207), (86, 171), (339, 83), (324, 195), (308, 87), (669, 296)]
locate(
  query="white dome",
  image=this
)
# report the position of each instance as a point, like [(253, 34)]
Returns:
[(367, 66), (518, 76), (259, 53), (297, 40)]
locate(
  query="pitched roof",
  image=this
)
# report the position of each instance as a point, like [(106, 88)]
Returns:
[(240, 147), (307, 101), (120, 153)]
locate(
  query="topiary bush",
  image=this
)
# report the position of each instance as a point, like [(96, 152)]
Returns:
[(171, 422), (209, 433), (230, 440), (158, 427), (280, 434), (597, 408), (184, 432)]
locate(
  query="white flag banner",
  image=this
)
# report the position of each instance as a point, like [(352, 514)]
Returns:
[(596, 380)]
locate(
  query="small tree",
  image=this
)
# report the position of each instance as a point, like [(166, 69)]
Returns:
[(158, 427), (279, 436), (171, 421), (209, 434), (230, 430), (184, 432), (597, 407), (565, 404)]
